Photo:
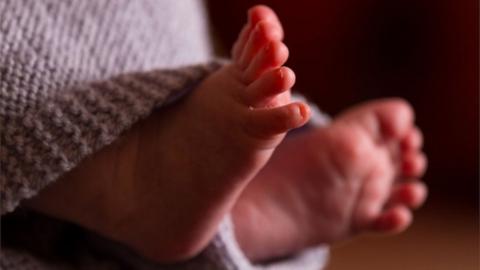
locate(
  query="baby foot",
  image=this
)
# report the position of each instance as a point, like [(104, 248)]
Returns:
[(328, 184), (223, 134), (179, 172)]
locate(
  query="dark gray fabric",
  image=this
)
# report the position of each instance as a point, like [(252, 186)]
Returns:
[(75, 74)]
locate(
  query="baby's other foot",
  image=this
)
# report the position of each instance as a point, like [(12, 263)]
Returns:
[(391, 160), (321, 186)]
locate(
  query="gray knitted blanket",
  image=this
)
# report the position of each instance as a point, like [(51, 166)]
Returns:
[(73, 76)]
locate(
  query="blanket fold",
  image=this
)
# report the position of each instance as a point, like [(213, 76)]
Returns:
[(73, 76)]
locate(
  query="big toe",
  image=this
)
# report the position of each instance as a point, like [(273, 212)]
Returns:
[(264, 13), (256, 14)]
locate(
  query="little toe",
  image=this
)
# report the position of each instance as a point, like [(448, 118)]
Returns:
[(261, 35), (273, 55), (268, 86), (413, 140), (411, 194), (394, 220), (414, 164), (266, 122)]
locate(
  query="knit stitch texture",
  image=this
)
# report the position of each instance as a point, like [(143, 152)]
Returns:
[(73, 76)]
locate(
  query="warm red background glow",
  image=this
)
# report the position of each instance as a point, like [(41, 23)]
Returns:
[(426, 51)]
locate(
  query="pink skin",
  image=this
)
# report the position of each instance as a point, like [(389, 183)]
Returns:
[(164, 187), (219, 138), (356, 175)]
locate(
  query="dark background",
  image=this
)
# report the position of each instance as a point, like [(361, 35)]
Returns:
[(426, 51)]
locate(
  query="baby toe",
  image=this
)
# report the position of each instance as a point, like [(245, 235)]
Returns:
[(414, 164), (395, 117), (239, 44), (261, 35), (267, 122), (255, 15), (273, 55), (264, 13), (413, 140), (393, 220), (262, 91), (412, 194)]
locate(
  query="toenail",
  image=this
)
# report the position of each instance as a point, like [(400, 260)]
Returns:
[(304, 111), (280, 73), (297, 112), (300, 113)]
